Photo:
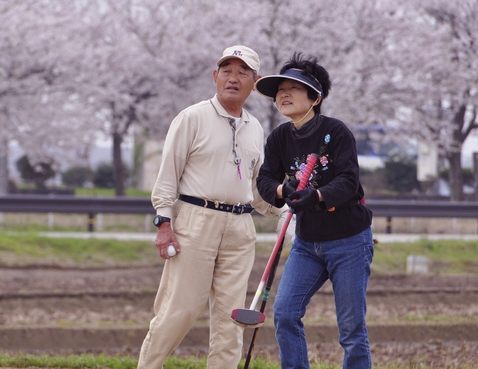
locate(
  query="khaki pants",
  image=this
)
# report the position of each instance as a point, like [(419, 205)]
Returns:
[(217, 253)]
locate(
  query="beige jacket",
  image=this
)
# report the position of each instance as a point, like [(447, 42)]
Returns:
[(198, 159)]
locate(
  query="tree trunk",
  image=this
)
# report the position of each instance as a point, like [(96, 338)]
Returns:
[(3, 167), (475, 174), (118, 167), (455, 176)]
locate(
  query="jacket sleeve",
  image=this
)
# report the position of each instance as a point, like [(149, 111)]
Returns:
[(175, 153), (345, 185), (260, 204), (271, 173)]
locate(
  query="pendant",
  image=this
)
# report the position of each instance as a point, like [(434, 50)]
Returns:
[(237, 161)]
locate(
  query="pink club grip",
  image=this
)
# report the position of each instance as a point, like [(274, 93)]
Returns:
[(311, 160)]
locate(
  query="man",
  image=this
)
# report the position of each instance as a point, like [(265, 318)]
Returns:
[(211, 158)]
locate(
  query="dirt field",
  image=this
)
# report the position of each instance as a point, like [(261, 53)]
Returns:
[(426, 320)]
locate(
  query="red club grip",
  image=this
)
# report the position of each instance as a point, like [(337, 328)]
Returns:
[(311, 160)]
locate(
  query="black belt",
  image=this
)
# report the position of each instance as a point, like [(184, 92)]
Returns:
[(216, 205)]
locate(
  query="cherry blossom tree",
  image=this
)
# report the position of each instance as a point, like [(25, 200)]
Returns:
[(278, 28), (418, 74), (450, 114), (70, 70), (130, 71), (31, 106)]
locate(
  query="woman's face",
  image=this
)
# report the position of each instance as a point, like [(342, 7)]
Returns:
[(292, 100)]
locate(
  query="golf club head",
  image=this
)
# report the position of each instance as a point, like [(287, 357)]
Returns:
[(248, 318)]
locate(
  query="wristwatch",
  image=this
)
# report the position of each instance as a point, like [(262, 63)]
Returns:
[(158, 220)]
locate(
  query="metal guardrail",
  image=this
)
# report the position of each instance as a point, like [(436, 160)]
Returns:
[(74, 204), (423, 209), (141, 205)]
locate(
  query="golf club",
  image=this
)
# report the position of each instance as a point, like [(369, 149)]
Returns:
[(251, 318), (265, 297)]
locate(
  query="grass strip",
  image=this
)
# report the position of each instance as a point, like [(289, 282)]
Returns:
[(115, 362), (445, 256), (74, 250), (23, 249), (70, 361), (127, 362)]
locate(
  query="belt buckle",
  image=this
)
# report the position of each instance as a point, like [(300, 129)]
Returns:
[(238, 207)]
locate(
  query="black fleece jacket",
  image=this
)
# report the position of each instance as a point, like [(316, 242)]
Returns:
[(336, 175)]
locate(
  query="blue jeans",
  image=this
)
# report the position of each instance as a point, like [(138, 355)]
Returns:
[(346, 262)]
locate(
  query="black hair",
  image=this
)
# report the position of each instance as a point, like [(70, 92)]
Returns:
[(310, 66)]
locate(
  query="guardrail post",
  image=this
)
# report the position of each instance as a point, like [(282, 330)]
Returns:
[(91, 222), (389, 225)]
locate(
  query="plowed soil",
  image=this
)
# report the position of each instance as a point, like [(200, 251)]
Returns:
[(428, 320)]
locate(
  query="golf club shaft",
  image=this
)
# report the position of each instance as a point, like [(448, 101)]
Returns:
[(311, 160), (265, 297), (278, 244), (280, 238)]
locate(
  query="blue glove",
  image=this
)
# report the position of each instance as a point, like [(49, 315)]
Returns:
[(306, 199), (289, 187)]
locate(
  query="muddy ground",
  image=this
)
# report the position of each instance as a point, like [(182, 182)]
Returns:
[(428, 320)]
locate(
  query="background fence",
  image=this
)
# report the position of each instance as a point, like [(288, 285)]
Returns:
[(91, 206)]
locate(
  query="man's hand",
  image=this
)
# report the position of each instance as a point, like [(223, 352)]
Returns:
[(165, 237), (290, 233), (306, 199)]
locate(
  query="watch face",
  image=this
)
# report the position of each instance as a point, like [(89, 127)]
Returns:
[(158, 220)]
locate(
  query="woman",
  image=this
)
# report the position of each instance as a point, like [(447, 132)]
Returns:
[(333, 235)]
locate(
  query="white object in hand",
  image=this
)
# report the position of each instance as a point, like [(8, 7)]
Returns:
[(290, 233), (171, 251)]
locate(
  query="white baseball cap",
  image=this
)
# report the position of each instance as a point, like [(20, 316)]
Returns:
[(244, 53)]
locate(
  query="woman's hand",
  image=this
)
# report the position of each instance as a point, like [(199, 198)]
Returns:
[(305, 199), (289, 187)]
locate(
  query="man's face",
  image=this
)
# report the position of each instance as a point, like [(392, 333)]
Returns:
[(234, 81)]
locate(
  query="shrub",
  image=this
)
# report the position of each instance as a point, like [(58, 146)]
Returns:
[(104, 176), (38, 173), (401, 175), (76, 176)]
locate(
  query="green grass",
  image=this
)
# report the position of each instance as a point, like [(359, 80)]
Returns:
[(22, 249), (445, 256), (132, 192), (70, 361), (127, 362)]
